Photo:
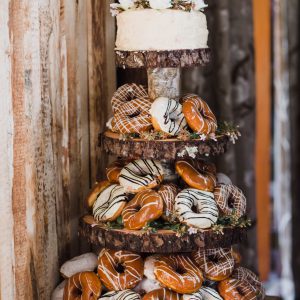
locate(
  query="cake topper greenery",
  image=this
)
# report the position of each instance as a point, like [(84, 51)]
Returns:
[(185, 5)]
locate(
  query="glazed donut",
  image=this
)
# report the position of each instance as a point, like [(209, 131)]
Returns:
[(83, 286), (110, 203), (205, 293), (95, 192), (162, 294), (121, 295), (198, 115), (128, 92), (145, 207), (207, 211), (131, 273), (137, 122), (230, 199), (114, 169), (131, 105), (197, 174), (231, 288), (168, 193), (178, 273), (140, 175), (244, 274), (167, 116), (216, 264)]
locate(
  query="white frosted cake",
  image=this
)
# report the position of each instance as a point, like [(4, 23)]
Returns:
[(166, 29)]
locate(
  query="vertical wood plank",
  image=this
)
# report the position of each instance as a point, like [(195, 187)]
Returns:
[(282, 147), (102, 79), (262, 42), (7, 283)]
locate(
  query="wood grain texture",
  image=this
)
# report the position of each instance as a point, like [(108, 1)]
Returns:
[(7, 280), (164, 82), (262, 39), (46, 139), (163, 241), (282, 146), (170, 149), (293, 33), (163, 59), (102, 79)]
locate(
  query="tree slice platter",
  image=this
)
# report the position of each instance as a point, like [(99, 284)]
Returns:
[(163, 59), (167, 149), (163, 241)]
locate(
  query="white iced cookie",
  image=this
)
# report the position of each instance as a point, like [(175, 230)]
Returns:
[(58, 293), (121, 295), (147, 285), (205, 293), (223, 179), (110, 203), (83, 263), (207, 210), (140, 175), (167, 116)]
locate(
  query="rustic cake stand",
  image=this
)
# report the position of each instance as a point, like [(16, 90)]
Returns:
[(164, 73)]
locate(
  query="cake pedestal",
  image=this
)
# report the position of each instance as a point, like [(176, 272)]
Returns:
[(164, 82)]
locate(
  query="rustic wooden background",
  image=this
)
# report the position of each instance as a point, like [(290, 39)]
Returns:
[(57, 75)]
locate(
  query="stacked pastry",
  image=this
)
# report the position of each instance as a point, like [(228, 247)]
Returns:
[(136, 192), (135, 112), (213, 274)]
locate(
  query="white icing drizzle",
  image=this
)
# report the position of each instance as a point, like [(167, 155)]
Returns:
[(128, 260), (141, 173), (167, 113), (121, 295), (204, 202), (205, 293), (109, 202)]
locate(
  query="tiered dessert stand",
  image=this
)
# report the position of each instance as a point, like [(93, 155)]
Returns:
[(164, 73)]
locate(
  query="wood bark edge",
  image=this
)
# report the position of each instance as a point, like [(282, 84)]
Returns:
[(163, 59), (164, 241), (170, 149)]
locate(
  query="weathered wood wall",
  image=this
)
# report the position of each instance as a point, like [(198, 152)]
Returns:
[(51, 105), (293, 36)]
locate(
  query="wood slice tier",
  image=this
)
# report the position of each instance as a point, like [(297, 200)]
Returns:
[(163, 241), (169, 149), (163, 59)]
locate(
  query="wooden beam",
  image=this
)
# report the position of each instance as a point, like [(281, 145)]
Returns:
[(262, 44)]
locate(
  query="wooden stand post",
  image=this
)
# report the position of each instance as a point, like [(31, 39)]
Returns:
[(164, 82)]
